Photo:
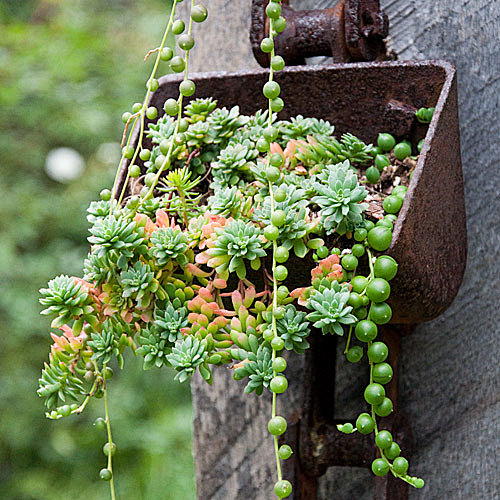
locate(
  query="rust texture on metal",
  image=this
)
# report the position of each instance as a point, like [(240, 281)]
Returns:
[(366, 26), (402, 115), (351, 30), (429, 240)]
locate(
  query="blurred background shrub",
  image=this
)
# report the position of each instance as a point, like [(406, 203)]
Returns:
[(68, 70)]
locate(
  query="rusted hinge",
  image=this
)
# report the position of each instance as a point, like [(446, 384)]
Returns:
[(352, 30)]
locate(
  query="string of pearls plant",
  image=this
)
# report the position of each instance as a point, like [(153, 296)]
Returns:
[(188, 252), (277, 424)]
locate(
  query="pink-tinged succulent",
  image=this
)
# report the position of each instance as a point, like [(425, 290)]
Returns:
[(144, 220), (329, 267), (213, 222), (146, 316), (201, 301), (290, 150), (112, 301), (127, 316), (274, 148), (219, 283), (67, 342), (196, 271), (208, 230), (90, 287), (300, 170), (162, 220), (91, 290), (206, 316), (301, 295), (300, 145)]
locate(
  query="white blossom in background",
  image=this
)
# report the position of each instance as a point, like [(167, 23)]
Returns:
[(64, 165)]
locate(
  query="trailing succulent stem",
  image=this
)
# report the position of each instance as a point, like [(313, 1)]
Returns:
[(192, 272)]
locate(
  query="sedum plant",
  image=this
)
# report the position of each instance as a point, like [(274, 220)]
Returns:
[(236, 242), (194, 248), (294, 328), (339, 195), (257, 366), (187, 355), (66, 299), (330, 310), (169, 244)]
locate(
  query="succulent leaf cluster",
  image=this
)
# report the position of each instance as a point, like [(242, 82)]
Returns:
[(169, 244), (224, 123), (299, 128), (326, 149), (232, 165), (297, 224), (116, 235), (252, 130), (153, 347), (198, 134), (339, 197), (150, 206), (227, 202), (236, 241), (66, 300), (105, 345), (294, 329), (97, 210), (114, 299), (198, 109), (100, 270), (187, 355), (158, 338), (139, 283), (330, 309), (59, 384), (170, 321), (163, 129), (355, 150), (257, 366)]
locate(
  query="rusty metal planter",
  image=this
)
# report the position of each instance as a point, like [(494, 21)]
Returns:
[(365, 98)]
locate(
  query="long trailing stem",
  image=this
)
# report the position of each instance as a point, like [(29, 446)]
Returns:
[(110, 439), (275, 334), (141, 115), (275, 282), (348, 343), (87, 398), (371, 276), (166, 162)]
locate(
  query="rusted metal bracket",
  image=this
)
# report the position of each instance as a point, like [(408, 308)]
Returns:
[(352, 30), (315, 435)]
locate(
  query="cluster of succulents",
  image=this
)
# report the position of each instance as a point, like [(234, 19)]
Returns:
[(193, 272), (167, 283)]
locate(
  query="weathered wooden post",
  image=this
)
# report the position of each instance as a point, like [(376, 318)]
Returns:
[(450, 376)]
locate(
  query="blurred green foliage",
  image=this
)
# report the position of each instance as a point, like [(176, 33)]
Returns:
[(68, 69)]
